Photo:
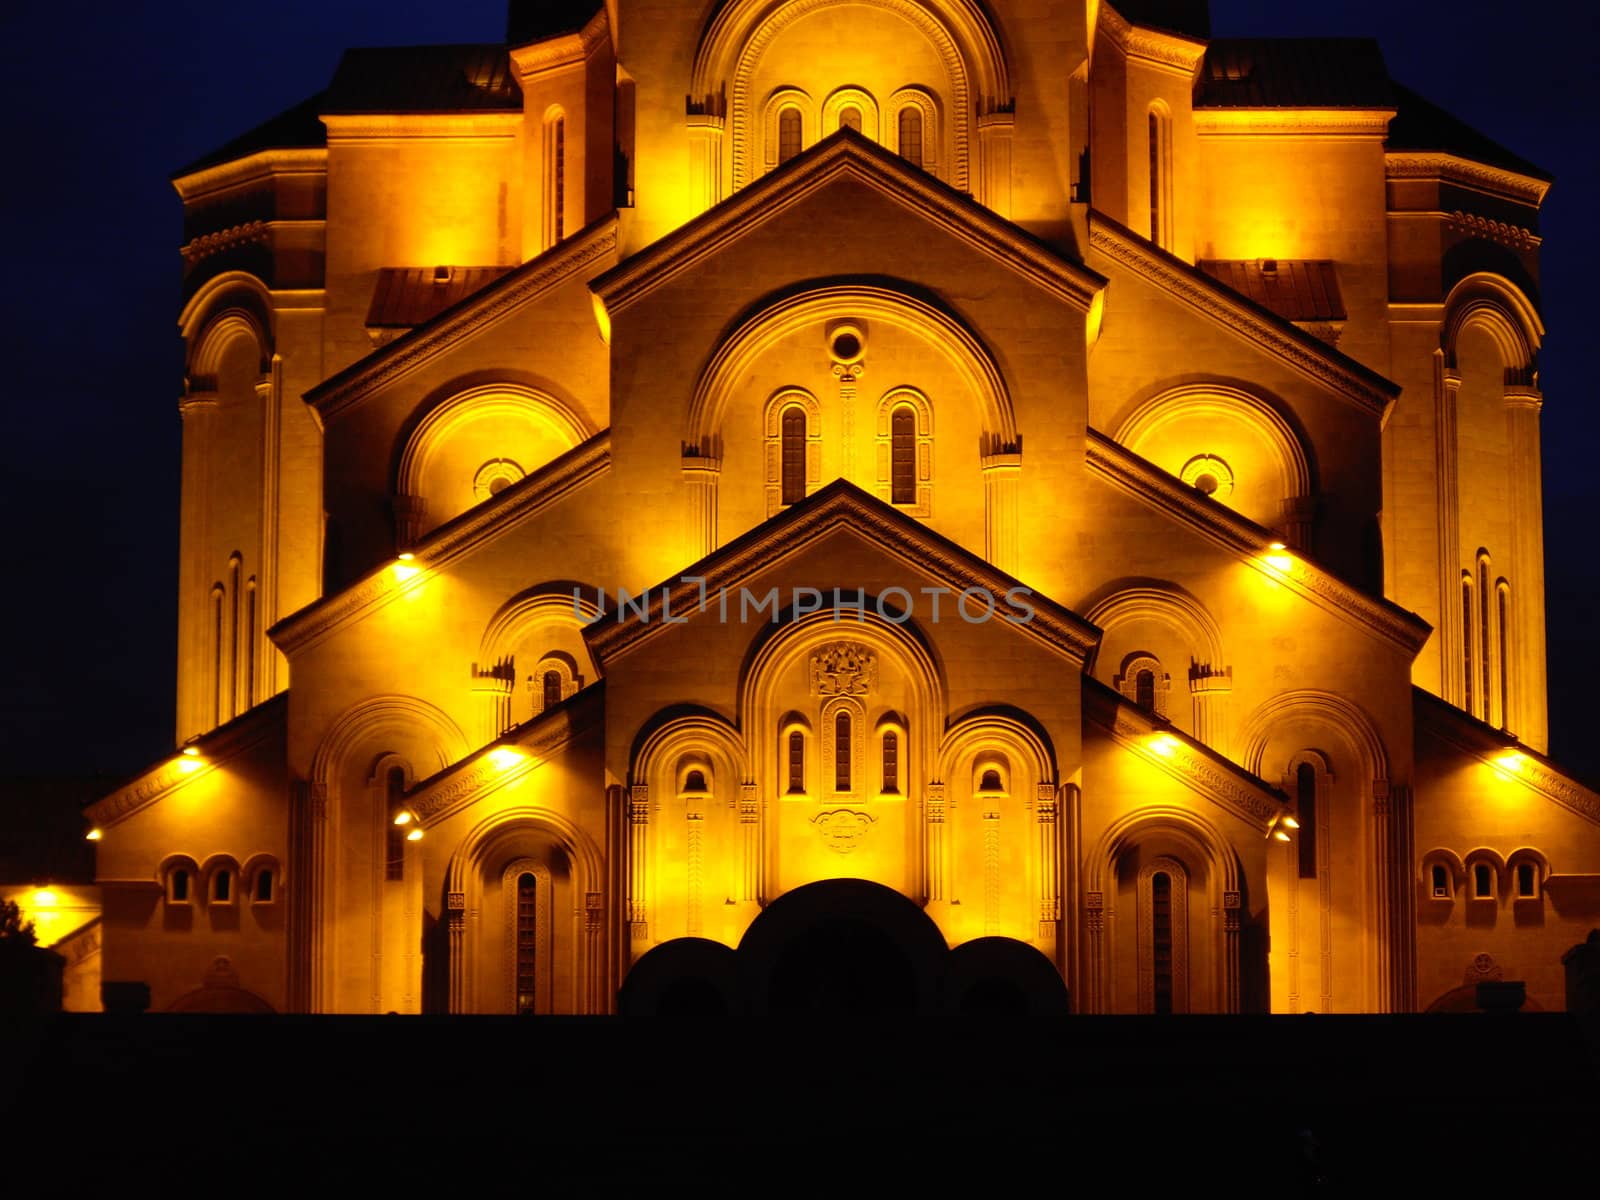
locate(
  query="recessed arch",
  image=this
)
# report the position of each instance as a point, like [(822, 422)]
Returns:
[(772, 112), (862, 101), (961, 33), (1498, 307), (724, 375), (1168, 605), (1211, 402)]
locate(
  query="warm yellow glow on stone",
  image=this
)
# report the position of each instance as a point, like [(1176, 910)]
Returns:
[(44, 898), (191, 751), (402, 817), (94, 835), (1511, 762), (506, 757), (1290, 823), (1163, 744), (414, 836), (602, 318)]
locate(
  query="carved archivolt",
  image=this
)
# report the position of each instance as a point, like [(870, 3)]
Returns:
[(851, 97), (924, 102), (1127, 682), (543, 906), (772, 424), (922, 410), (782, 98), (1179, 917)]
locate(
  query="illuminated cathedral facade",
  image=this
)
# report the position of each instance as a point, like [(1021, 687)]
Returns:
[(911, 504)]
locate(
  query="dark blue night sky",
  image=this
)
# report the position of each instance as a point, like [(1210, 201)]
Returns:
[(106, 100)]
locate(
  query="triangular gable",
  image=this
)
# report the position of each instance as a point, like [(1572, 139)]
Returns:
[(1142, 479), (507, 295), (1241, 317), (846, 155), (840, 505), (1193, 763)]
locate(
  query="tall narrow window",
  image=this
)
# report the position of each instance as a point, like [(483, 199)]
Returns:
[(1161, 939), (178, 886), (1483, 882), (1305, 780), (911, 135), (1503, 600), (1160, 136), (903, 456), (1466, 643), (394, 866), (235, 600), (891, 761), (222, 887), (841, 752), (527, 941), (788, 134), (250, 643), (1144, 690), (555, 177), (794, 455), (552, 689), (1484, 629), (1525, 880), (216, 652), (1441, 883), (850, 118), (797, 762), (264, 886)]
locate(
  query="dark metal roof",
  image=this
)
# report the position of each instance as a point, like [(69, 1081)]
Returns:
[(294, 128), (405, 297), (1293, 73), (534, 20), (424, 79), (1296, 289), (1422, 125)]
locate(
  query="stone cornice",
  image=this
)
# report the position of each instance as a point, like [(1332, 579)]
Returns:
[(839, 506), (1343, 376), (198, 184), (1407, 164), (563, 49), (1489, 746), (527, 497), (206, 245), (1293, 122), (217, 748), (472, 315), (1516, 236), (389, 127), (1155, 47), (1226, 528), (532, 743), (846, 155), (1225, 783)]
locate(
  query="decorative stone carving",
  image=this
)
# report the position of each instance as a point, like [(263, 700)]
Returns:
[(842, 829), (1482, 969), (844, 669)]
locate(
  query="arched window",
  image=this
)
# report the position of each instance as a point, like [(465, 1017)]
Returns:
[(794, 455), (1441, 882), (527, 941), (222, 886), (797, 762), (911, 135), (555, 177), (1305, 786), (1144, 690), (178, 886), (1527, 881), (218, 680), (1483, 882), (990, 781), (264, 886), (891, 761), (552, 689), (841, 752), (850, 118), (1503, 602), (1485, 627), (1161, 941), (394, 866), (1466, 643), (903, 456), (1160, 135), (695, 781), (788, 134)]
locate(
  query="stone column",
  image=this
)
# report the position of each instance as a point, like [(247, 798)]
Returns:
[(749, 842), (1049, 869), (1527, 715), (705, 162), (936, 847), (1001, 478), (455, 906), (1209, 688), (701, 474), (1447, 386), (638, 864), (993, 185), (492, 688)]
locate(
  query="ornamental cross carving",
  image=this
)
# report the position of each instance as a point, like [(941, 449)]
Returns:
[(844, 669)]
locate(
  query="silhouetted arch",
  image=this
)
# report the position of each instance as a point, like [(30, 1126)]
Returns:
[(684, 977), (1002, 977)]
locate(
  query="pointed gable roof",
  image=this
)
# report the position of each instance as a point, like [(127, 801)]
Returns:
[(839, 506), (846, 155)]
